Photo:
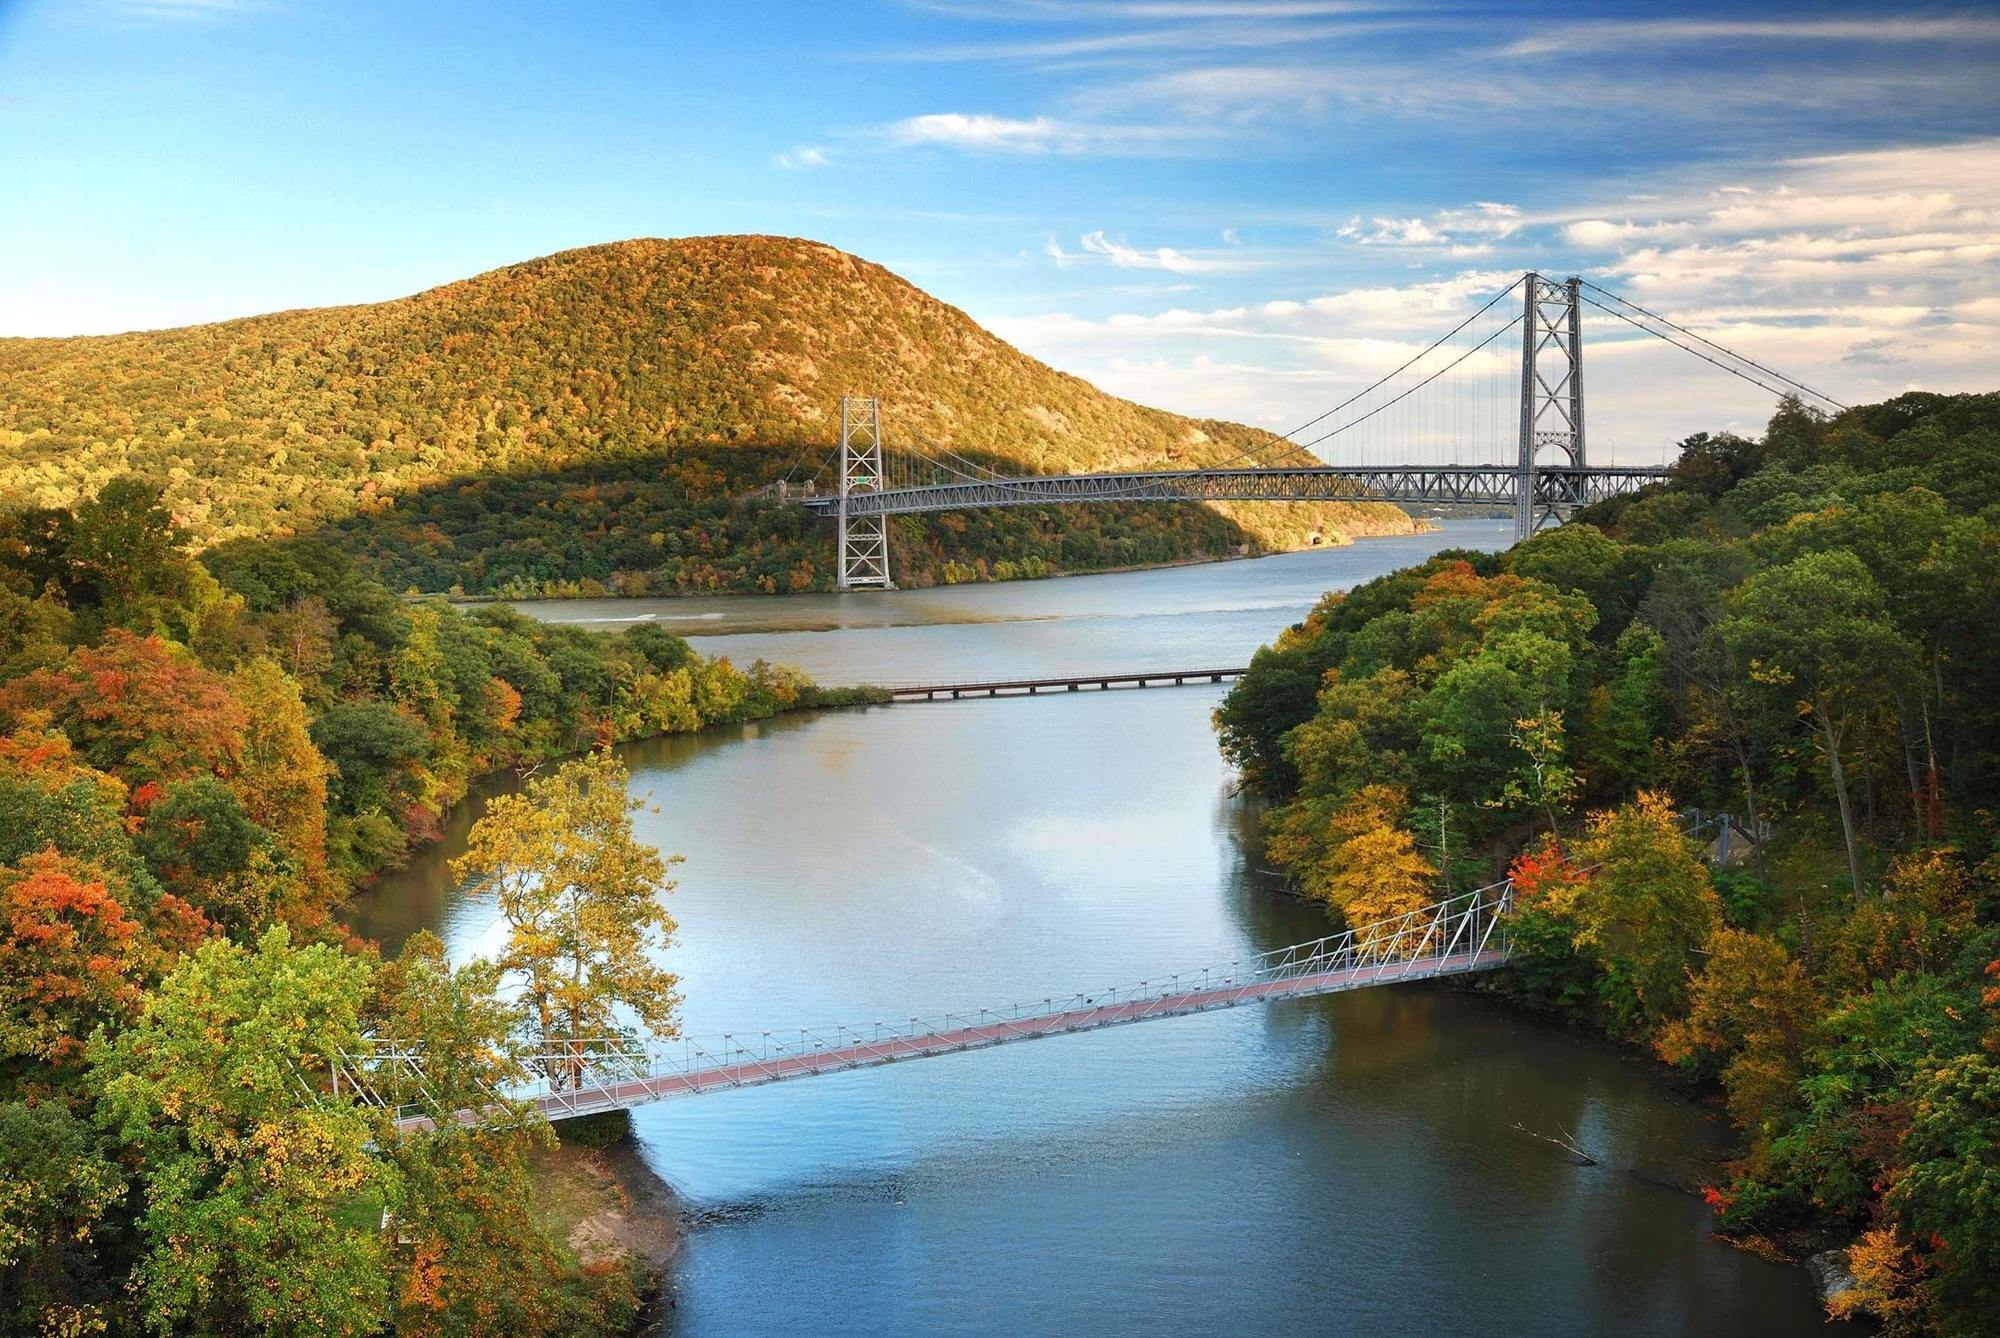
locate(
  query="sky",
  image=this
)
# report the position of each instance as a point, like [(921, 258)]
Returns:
[(1243, 209)]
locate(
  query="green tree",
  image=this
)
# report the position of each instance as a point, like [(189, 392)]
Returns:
[(1948, 1195), (1816, 630), (1252, 721), (58, 1185), (263, 1207)]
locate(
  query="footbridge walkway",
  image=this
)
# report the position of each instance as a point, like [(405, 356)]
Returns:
[(1029, 687), (1463, 934)]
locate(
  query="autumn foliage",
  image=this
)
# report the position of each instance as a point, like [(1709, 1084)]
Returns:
[(1736, 743)]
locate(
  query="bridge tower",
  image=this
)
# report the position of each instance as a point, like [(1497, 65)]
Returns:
[(863, 540), (1551, 399)]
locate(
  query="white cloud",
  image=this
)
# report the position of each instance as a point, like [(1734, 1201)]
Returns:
[(982, 133), (801, 159), (1392, 232), (1131, 257), (1864, 274)]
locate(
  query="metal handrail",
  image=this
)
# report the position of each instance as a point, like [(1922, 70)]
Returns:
[(579, 1075)]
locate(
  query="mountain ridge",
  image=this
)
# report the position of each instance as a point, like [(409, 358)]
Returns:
[(288, 422)]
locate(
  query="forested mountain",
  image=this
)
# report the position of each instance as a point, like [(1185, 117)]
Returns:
[(1802, 632), (588, 417)]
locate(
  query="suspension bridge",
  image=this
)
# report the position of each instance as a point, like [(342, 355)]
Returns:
[(587, 1076), (1462, 423)]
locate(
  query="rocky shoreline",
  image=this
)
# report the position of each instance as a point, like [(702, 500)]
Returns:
[(612, 1208)]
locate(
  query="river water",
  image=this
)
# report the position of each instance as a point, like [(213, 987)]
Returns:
[(1346, 1164)]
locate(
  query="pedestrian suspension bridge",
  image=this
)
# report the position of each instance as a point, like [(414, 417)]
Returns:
[(1461, 423), (560, 1080)]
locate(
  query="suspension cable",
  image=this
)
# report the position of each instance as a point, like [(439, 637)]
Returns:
[(1768, 371), (1285, 438), (1406, 366), (1334, 432), (1780, 390)]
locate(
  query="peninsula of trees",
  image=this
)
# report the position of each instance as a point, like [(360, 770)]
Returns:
[(1801, 632), (197, 764)]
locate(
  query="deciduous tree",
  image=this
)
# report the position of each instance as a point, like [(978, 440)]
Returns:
[(263, 1208), (1816, 630), (581, 897)]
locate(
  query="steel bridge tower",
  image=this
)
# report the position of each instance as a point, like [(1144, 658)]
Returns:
[(1551, 398), (864, 539)]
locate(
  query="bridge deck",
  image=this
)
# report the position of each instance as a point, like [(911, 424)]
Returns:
[(1028, 687), (564, 1078), (759, 1071), (1492, 485)]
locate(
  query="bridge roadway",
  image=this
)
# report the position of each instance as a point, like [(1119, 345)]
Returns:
[(1555, 486), (1028, 687), (785, 1063)]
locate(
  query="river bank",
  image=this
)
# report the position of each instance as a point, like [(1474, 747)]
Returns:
[(969, 574), (598, 1195)]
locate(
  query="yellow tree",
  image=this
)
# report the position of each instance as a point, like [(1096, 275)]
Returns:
[(1363, 863), (1753, 1007), (283, 779), (581, 897)]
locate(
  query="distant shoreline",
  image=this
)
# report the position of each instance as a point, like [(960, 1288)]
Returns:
[(1419, 525)]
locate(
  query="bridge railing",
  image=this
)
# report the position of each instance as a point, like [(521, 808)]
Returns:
[(583, 1074)]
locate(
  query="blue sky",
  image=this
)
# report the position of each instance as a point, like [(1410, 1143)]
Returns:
[(1231, 208)]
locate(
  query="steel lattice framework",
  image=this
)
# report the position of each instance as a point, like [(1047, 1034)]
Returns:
[(1551, 394), (1554, 488), (1461, 934), (864, 534)]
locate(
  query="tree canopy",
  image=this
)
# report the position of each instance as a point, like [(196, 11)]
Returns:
[(1797, 633)]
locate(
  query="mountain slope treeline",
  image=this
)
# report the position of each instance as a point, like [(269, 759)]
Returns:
[(629, 368), (1803, 632)]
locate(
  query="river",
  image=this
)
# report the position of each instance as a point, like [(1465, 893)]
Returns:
[(1345, 1164)]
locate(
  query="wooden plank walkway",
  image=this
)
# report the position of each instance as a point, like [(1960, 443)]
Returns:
[(1029, 687)]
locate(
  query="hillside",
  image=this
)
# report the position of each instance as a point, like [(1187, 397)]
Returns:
[(674, 374), (1798, 637)]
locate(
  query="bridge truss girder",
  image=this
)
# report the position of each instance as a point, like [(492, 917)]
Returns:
[(1556, 489)]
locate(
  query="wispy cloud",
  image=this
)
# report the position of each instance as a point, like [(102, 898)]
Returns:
[(1628, 34), (983, 133), (1188, 77), (1100, 246), (801, 159)]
